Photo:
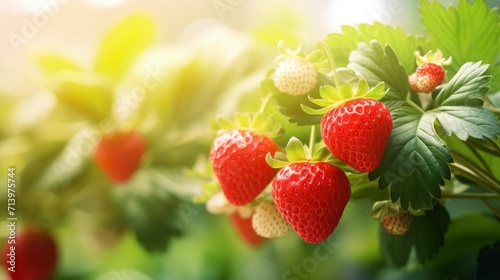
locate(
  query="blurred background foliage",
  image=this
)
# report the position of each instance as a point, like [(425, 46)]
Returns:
[(58, 97)]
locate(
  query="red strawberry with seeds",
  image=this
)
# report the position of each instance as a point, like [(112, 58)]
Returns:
[(119, 154), (357, 132), (311, 196), (430, 72), (238, 160), (428, 77), (34, 254)]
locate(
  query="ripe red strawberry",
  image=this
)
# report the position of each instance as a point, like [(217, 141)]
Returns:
[(245, 229), (357, 132), (119, 154), (397, 224), (239, 161), (311, 196), (33, 256), (428, 77), (295, 76), (268, 222)]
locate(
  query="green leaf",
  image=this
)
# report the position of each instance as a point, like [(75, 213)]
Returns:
[(379, 64), (150, 210), (426, 235), (84, 93), (343, 44), (467, 234), (52, 63), (123, 43), (467, 32), (468, 87), (415, 161), (468, 121)]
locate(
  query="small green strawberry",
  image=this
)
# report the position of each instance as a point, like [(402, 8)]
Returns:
[(267, 221), (397, 224), (295, 76)]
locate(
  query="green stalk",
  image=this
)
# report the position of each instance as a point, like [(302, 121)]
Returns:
[(312, 141), (466, 172), (412, 104), (332, 63), (487, 146), (493, 209), (265, 102), (471, 195)]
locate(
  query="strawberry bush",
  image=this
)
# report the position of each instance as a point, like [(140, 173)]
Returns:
[(408, 122)]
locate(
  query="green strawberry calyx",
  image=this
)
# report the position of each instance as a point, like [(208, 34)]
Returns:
[(317, 57), (432, 57), (386, 207), (332, 97), (258, 123), (295, 151)]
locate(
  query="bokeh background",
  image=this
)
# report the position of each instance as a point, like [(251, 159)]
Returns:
[(207, 57)]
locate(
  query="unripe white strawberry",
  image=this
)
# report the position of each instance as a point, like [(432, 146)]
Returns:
[(295, 76), (268, 222), (397, 224)]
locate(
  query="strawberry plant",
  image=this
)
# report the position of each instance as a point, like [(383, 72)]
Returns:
[(367, 145), (408, 132)]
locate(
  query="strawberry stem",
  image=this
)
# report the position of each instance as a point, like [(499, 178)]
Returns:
[(312, 140), (265, 102), (332, 63), (412, 104), (476, 176), (493, 209), (471, 195)]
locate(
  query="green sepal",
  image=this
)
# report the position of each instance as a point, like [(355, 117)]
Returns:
[(296, 151), (334, 98), (279, 160), (268, 126), (321, 154), (317, 57), (384, 207)]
